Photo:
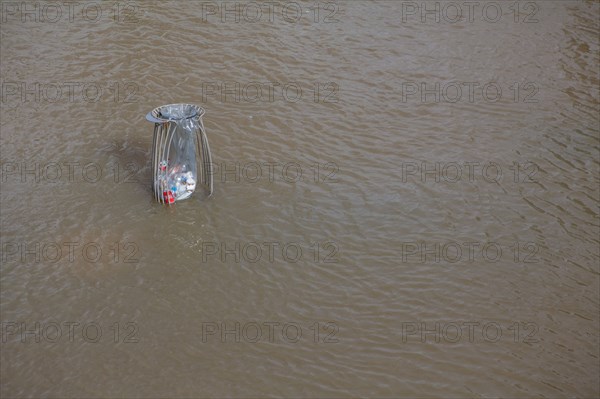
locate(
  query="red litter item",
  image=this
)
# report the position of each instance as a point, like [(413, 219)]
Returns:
[(168, 197)]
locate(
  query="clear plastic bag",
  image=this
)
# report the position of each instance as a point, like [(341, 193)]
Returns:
[(180, 152)]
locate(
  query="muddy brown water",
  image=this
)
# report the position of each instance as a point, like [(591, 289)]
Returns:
[(406, 200)]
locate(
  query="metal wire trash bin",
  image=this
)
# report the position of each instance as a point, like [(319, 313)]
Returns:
[(179, 151)]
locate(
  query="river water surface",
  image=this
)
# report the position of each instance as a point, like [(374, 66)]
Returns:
[(406, 203)]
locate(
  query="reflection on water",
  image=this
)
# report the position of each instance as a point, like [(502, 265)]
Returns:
[(402, 207)]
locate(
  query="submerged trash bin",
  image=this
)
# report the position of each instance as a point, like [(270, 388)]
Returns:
[(181, 160)]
